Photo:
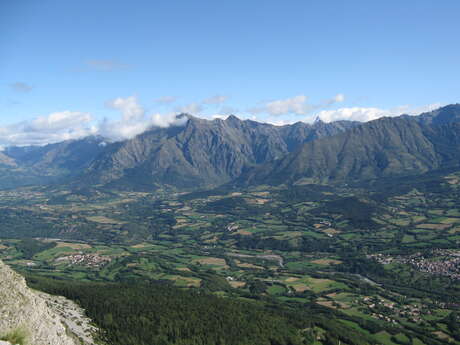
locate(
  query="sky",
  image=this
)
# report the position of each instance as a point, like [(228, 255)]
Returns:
[(74, 68)]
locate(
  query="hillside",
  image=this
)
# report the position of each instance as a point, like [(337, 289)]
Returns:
[(42, 165), (68, 157), (385, 147), (29, 317), (201, 153)]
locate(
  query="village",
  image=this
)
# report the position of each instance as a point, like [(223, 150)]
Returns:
[(89, 260), (438, 262), (389, 311)]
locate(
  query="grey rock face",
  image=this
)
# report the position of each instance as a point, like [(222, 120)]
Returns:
[(385, 147), (201, 153), (25, 310)]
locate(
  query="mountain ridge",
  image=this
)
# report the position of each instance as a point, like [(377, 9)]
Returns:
[(202, 152), (208, 153), (384, 147), (43, 165)]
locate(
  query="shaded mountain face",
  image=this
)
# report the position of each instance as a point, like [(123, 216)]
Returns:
[(300, 133), (200, 153), (205, 153), (6, 161), (70, 155), (37, 165), (444, 115), (385, 147)]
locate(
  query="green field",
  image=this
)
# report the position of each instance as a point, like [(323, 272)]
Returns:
[(359, 256)]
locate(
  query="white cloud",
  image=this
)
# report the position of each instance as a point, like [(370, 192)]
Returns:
[(198, 108), (277, 121), (219, 116), (21, 87), (369, 114), (295, 105), (55, 127), (218, 99), (119, 130), (134, 119), (411, 110), (354, 114), (340, 97), (166, 120), (129, 107), (59, 121), (67, 125)]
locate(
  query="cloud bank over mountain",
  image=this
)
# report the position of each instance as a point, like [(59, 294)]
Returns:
[(368, 114), (55, 127), (67, 125), (134, 119)]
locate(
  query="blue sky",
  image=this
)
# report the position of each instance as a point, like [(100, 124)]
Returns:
[(67, 65)]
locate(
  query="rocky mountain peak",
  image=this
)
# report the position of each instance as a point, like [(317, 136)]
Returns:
[(318, 120), (232, 119)]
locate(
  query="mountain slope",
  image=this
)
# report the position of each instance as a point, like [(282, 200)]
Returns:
[(444, 115), (68, 156), (6, 161), (299, 133), (385, 147), (200, 153), (26, 312), (209, 153), (39, 165)]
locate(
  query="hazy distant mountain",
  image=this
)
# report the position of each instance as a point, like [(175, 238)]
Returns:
[(385, 147), (70, 156), (201, 152), (37, 165), (6, 161)]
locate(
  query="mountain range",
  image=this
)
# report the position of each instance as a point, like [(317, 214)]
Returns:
[(205, 153), (404, 145)]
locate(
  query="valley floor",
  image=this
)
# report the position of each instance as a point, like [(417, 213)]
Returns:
[(381, 261)]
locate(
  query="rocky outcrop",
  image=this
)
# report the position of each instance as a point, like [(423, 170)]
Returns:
[(28, 313), (5, 342)]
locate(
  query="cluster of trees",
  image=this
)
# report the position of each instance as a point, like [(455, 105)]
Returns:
[(144, 313), (29, 247), (402, 279), (302, 193), (359, 264), (304, 244), (431, 182), (358, 213), (235, 206), (20, 223), (161, 314)]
